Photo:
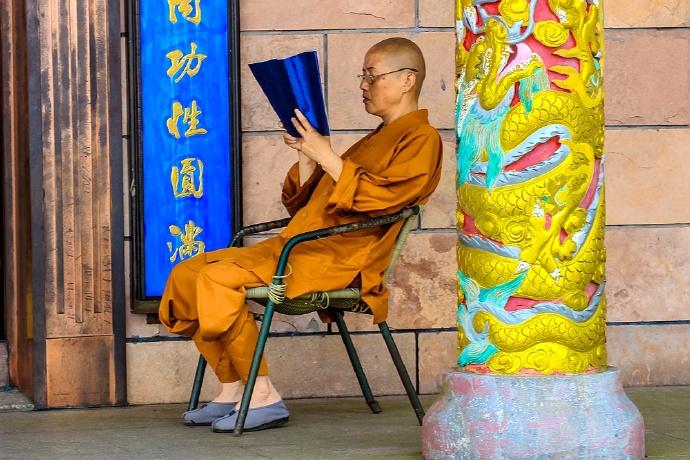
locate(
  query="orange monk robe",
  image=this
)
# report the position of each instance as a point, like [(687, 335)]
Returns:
[(394, 166)]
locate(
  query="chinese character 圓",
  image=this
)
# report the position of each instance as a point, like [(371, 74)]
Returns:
[(185, 8), (187, 244), (190, 117), (188, 180), (184, 64)]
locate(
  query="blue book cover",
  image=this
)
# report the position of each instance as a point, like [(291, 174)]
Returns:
[(294, 83)]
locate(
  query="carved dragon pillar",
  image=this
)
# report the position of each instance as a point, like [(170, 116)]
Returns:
[(530, 186), (531, 311)]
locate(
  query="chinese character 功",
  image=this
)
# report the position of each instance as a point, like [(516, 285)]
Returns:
[(178, 60), (190, 117), (187, 186), (184, 7), (188, 246)]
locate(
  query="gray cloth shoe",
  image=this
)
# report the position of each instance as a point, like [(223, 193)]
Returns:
[(207, 413), (259, 418)]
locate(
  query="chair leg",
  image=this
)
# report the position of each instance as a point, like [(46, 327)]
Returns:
[(198, 381), (356, 364), (254, 369), (402, 372)]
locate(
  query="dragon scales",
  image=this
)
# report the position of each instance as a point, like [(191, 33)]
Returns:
[(530, 186)]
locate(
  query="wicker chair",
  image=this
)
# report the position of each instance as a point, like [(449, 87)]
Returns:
[(336, 302)]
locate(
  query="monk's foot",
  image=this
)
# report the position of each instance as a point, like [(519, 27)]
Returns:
[(206, 414), (258, 418), (264, 394), (230, 393)]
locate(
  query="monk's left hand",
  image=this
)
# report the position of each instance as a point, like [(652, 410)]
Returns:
[(312, 143)]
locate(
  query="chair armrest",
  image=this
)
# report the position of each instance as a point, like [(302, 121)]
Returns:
[(337, 230), (258, 228)]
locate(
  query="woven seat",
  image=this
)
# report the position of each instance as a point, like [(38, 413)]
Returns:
[(345, 299), (336, 303)]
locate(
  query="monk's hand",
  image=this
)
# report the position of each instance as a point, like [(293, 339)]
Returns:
[(292, 142), (312, 143)]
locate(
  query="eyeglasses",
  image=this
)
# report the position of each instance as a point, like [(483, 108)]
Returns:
[(371, 78)]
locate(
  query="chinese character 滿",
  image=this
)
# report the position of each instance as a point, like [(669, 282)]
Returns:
[(182, 64), (187, 246), (188, 180)]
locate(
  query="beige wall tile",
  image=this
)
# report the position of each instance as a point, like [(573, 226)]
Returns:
[(652, 354), (334, 14), (423, 289), (265, 162), (647, 273), (436, 13), (645, 354), (439, 212), (647, 77), (324, 360), (163, 372), (647, 13), (257, 114), (438, 353), (646, 176), (345, 56)]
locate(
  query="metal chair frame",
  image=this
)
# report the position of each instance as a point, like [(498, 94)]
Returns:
[(336, 302)]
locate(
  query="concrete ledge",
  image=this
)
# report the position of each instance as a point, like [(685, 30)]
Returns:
[(301, 366)]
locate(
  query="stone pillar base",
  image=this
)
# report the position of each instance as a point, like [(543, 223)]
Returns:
[(585, 416)]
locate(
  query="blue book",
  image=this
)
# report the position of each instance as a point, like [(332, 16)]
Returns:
[(294, 83)]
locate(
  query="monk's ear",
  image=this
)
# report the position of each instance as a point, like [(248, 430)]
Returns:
[(409, 81)]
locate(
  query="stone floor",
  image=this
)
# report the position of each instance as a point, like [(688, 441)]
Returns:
[(319, 429)]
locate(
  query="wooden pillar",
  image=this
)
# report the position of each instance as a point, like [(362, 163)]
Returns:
[(16, 206), (73, 134)]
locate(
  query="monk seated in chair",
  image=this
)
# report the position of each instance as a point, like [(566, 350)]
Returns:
[(396, 165)]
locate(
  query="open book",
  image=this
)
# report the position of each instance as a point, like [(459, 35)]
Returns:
[(294, 83)]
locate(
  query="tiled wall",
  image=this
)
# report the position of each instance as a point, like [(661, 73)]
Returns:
[(648, 145)]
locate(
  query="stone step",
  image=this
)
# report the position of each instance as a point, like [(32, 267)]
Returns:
[(4, 371), (10, 398)]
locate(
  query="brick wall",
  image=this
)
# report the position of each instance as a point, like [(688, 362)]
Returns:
[(648, 140)]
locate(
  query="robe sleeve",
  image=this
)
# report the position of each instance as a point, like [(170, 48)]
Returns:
[(294, 195), (410, 177)]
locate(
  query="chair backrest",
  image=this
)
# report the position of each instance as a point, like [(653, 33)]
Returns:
[(405, 230)]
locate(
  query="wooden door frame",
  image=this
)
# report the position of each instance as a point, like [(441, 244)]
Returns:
[(16, 244), (22, 152)]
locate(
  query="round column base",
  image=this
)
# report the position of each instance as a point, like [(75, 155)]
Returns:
[(486, 416)]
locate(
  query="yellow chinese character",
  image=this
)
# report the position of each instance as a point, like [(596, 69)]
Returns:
[(190, 118), (178, 60), (188, 247), (184, 7), (188, 185)]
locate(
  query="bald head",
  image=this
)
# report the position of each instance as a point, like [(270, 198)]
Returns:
[(399, 53)]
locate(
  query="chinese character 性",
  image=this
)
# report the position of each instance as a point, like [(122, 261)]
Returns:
[(190, 117), (185, 8), (188, 180), (187, 245), (182, 63)]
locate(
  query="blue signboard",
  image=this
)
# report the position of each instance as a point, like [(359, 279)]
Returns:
[(185, 133)]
